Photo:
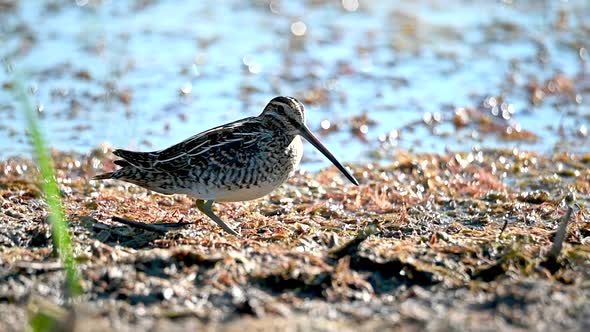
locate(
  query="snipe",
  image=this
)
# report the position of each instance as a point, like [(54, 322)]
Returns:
[(238, 161)]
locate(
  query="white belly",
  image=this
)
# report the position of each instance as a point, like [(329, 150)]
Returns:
[(245, 194)]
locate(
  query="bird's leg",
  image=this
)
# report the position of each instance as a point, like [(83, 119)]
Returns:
[(205, 207)]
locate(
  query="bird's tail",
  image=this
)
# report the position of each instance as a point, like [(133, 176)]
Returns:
[(116, 174), (104, 176)]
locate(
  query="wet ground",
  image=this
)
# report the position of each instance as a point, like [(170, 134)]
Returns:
[(418, 245), (466, 124)]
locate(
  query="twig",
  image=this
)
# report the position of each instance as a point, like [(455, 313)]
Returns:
[(503, 227), (158, 228), (24, 267), (352, 246), (550, 262), (560, 235), (39, 266)]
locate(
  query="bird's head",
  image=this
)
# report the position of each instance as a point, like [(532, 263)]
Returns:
[(288, 114)]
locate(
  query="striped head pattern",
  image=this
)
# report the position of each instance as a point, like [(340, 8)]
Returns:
[(288, 111)]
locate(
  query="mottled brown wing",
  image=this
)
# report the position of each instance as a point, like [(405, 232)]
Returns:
[(227, 145)]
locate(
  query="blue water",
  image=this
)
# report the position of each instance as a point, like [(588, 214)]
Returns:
[(400, 62)]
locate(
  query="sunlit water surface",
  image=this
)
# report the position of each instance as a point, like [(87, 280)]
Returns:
[(145, 75)]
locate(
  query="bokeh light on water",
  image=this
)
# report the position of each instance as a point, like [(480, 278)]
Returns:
[(376, 76)]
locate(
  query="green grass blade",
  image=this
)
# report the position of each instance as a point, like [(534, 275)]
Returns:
[(49, 186)]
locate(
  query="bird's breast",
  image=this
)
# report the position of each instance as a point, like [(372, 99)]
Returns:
[(258, 175), (262, 175)]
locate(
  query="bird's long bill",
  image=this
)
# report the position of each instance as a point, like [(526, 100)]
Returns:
[(315, 142)]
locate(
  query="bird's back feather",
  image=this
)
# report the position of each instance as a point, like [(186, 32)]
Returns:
[(135, 158)]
